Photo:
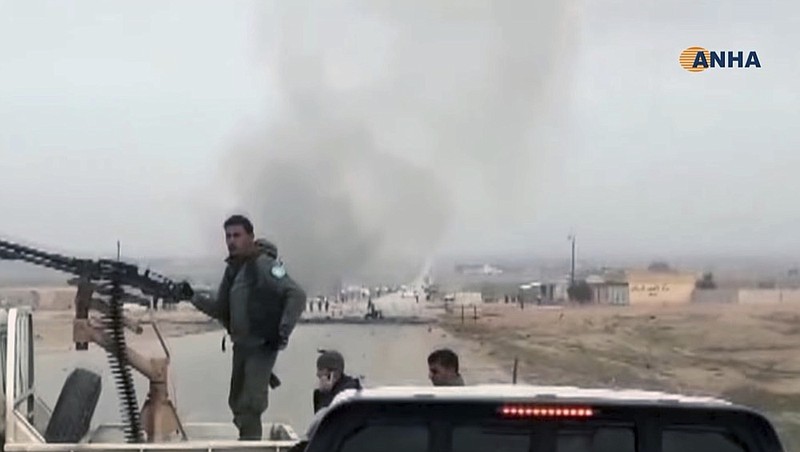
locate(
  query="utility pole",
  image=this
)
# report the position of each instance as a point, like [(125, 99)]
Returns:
[(571, 238)]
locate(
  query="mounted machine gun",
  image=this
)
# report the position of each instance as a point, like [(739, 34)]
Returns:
[(115, 283)]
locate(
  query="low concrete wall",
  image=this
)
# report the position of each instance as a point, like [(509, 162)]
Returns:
[(39, 298), (769, 296), (715, 296), (747, 296)]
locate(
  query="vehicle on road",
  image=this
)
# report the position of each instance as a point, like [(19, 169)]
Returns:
[(30, 425), (517, 418)]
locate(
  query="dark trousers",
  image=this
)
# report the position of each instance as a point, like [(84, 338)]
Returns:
[(249, 392)]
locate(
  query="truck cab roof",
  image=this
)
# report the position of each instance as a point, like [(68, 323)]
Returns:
[(532, 393)]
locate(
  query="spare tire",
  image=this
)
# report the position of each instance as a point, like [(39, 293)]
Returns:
[(72, 415)]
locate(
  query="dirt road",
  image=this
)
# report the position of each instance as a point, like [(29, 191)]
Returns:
[(200, 370)]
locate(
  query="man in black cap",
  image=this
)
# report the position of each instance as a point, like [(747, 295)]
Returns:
[(332, 379)]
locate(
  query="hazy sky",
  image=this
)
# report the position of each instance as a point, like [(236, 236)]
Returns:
[(123, 120)]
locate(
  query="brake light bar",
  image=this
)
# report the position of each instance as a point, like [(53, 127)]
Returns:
[(528, 411)]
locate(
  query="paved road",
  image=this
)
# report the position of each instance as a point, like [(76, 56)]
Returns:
[(385, 354)]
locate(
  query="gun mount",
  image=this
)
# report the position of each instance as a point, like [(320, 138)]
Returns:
[(104, 285)]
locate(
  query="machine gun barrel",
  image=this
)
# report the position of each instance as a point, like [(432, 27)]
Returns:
[(100, 272), (13, 251)]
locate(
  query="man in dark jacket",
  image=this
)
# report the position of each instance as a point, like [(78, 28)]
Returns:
[(259, 305), (332, 379), (443, 368)]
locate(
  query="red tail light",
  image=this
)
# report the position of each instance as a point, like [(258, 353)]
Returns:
[(528, 411)]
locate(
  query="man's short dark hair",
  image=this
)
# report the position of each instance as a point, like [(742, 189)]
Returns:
[(444, 357), (239, 220), (330, 360)]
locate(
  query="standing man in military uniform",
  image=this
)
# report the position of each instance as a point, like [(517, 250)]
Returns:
[(259, 305)]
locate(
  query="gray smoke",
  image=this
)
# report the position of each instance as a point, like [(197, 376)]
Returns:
[(396, 119)]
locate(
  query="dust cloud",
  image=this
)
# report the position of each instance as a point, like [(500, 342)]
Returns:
[(394, 122)]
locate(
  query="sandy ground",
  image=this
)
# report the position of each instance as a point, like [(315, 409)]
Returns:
[(747, 353), (53, 329)]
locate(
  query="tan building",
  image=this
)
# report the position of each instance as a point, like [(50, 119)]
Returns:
[(609, 289), (610, 292), (648, 287)]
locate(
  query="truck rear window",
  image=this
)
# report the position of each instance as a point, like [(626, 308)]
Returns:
[(388, 438), (491, 437), (693, 440), (564, 437), (484, 427)]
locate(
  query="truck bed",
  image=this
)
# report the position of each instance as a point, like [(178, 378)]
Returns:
[(198, 432), (202, 436)]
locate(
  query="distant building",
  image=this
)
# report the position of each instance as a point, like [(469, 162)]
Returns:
[(618, 287), (640, 287), (484, 269), (655, 287), (543, 292), (609, 290)]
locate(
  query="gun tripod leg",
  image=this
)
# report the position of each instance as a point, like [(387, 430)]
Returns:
[(83, 302), (159, 417)]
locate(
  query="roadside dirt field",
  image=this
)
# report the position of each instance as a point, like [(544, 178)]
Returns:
[(747, 353), (53, 329)]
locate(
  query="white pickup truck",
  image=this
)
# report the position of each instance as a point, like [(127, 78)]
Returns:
[(511, 418), (30, 425)]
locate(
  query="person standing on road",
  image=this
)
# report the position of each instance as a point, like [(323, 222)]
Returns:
[(443, 368), (259, 305)]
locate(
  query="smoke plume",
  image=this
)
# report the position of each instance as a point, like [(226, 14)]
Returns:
[(395, 120)]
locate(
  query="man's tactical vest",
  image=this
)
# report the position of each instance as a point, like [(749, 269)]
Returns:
[(265, 302)]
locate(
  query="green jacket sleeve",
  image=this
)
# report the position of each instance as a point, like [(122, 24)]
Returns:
[(207, 304), (295, 298), (210, 303)]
